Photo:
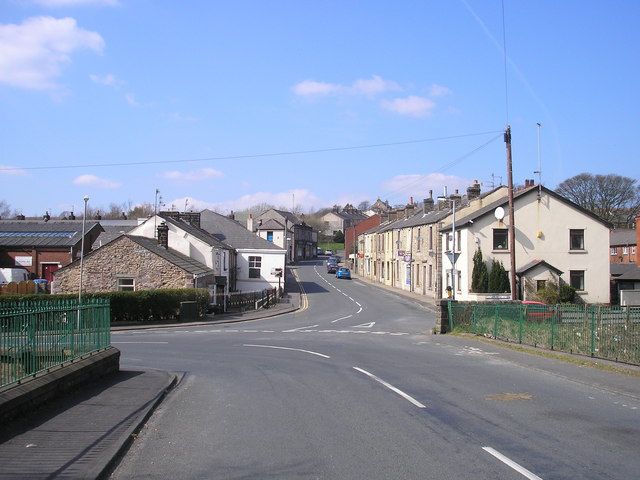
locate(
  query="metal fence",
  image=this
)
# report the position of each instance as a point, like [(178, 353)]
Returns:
[(611, 333), (39, 335), (254, 300)]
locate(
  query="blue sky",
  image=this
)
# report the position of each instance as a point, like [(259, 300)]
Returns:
[(85, 83)]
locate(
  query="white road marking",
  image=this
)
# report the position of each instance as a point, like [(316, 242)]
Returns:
[(359, 310), (351, 299), (231, 331), (287, 348), (518, 468), (341, 318), (358, 304), (118, 343), (366, 325), (392, 388), (379, 333), (300, 328)]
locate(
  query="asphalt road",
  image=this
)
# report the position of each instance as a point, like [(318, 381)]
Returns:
[(355, 386)]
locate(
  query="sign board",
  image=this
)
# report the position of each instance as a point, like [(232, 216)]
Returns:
[(276, 272), (24, 261)]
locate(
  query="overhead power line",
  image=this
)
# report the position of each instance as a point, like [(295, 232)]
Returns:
[(257, 155)]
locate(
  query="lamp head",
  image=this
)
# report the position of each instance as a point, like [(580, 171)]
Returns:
[(86, 198)]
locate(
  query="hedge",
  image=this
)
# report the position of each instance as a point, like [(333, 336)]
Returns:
[(140, 306)]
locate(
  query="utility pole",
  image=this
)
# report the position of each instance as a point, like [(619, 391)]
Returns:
[(512, 227)]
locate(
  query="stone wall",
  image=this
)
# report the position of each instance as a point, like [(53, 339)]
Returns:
[(121, 258)]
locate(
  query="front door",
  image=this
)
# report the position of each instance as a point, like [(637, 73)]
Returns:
[(48, 269)]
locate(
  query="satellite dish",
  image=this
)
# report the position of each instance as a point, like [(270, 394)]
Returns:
[(499, 213)]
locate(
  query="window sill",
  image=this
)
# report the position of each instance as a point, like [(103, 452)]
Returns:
[(499, 251), (579, 252)]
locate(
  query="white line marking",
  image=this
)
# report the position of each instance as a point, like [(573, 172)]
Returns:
[(300, 328), (358, 304), (366, 325), (287, 348), (359, 310), (341, 318), (392, 388), (518, 468), (117, 343), (267, 331), (251, 331), (231, 331), (339, 290), (351, 299)]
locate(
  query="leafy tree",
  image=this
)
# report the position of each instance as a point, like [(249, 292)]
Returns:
[(338, 237), (553, 293), (498, 278), (480, 274), (613, 198)]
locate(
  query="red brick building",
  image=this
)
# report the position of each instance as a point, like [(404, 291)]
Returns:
[(623, 243), (351, 233), (42, 247)]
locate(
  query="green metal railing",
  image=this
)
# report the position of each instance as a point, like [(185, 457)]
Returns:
[(611, 333), (39, 335)]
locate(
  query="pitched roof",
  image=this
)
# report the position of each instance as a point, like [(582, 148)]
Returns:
[(625, 271), (534, 263), (503, 201), (54, 233), (622, 236), (271, 224), (112, 230), (180, 260), (232, 232), (199, 233)]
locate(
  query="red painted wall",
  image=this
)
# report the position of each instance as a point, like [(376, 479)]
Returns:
[(361, 227)]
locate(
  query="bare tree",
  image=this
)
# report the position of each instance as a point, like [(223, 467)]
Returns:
[(141, 210), (613, 198), (364, 205), (5, 210)]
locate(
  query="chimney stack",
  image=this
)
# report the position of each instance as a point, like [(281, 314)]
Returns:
[(163, 235), (46, 217), (71, 216), (427, 203), (250, 223), (473, 191), (232, 215)]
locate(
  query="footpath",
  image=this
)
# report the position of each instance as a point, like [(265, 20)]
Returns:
[(82, 434)]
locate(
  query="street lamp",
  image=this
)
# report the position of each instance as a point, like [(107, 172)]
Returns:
[(453, 256), (84, 224)]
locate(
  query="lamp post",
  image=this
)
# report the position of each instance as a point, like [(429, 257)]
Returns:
[(453, 256), (84, 224)]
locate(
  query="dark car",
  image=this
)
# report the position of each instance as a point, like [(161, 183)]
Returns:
[(332, 266)]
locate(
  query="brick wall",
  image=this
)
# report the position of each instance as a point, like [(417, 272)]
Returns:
[(118, 259), (361, 227)]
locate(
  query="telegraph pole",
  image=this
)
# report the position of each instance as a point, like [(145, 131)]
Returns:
[(512, 227)]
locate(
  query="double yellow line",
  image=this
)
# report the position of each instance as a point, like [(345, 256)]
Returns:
[(304, 301)]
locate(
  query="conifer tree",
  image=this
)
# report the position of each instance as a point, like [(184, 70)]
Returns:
[(480, 274)]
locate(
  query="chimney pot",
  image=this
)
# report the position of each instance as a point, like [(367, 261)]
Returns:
[(163, 235)]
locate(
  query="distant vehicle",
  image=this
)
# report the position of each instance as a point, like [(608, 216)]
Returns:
[(8, 275), (335, 257), (343, 272), (328, 252), (319, 251), (537, 311), (332, 266)]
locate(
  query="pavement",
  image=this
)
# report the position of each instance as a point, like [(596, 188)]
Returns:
[(83, 434)]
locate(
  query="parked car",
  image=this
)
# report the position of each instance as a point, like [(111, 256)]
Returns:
[(328, 252), (343, 272)]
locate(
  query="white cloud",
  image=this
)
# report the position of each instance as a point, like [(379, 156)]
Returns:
[(181, 118), (33, 53), (439, 90), (303, 198), (370, 86), (412, 106), (193, 175), (131, 100), (311, 88), (108, 80), (374, 86), (11, 170), (75, 3), (418, 186), (94, 181)]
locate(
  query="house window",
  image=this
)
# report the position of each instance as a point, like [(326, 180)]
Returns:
[(458, 240), (225, 258), (625, 250), (430, 237), (459, 281), (448, 246), (270, 236), (419, 239), (614, 251), (254, 267), (576, 239), (126, 284), (540, 285), (633, 250), (500, 239), (430, 277), (576, 279)]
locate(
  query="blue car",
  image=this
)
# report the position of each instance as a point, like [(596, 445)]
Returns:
[(343, 272)]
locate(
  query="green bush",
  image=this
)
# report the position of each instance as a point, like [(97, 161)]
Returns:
[(140, 306), (480, 274), (498, 278)]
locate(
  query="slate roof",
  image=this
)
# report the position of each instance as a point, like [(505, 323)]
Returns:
[(112, 230), (271, 224), (198, 233), (624, 271), (534, 263), (172, 256), (503, 202), (232, 232), (622, 236), (53, 234)]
